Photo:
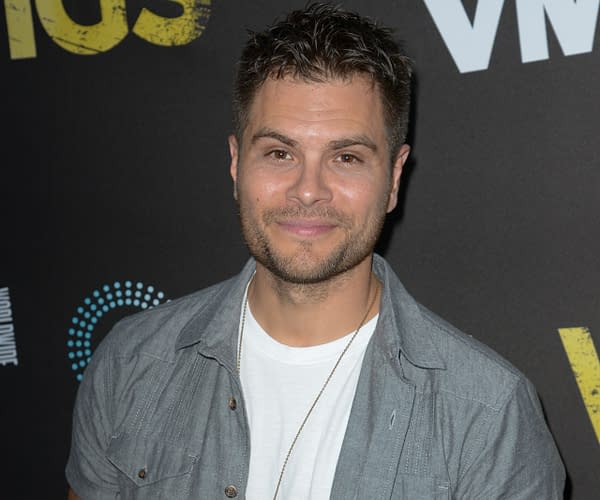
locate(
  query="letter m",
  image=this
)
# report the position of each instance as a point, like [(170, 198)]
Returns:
[(574, 24)]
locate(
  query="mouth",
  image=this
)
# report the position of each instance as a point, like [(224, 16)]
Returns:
[(306, 227)]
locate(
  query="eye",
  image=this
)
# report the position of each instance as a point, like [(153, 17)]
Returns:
[(348, 158), (279, 154)]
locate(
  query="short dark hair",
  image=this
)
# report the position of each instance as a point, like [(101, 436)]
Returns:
[(322, 42)]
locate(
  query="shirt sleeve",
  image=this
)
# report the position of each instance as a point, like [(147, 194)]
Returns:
[(518, 458), (88, 471)]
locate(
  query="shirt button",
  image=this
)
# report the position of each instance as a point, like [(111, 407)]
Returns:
[(231, 491), (232, 403), (142, 473)]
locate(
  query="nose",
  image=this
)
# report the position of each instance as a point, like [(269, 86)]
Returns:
[(311, 185)]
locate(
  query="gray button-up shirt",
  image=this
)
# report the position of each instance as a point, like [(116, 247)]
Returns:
[(160, 412)]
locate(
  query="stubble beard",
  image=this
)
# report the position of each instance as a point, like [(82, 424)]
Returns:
[(304, 267)]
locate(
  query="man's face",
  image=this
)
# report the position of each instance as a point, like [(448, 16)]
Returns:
[(312, 176)]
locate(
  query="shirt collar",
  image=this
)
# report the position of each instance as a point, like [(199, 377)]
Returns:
[(401, 326), (214, 328)]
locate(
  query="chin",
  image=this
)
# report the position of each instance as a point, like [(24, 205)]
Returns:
[(306, 267)]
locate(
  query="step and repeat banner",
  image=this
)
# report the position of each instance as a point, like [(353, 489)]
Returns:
[(115, 194)]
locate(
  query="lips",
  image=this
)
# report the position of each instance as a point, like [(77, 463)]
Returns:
[(306, 227)]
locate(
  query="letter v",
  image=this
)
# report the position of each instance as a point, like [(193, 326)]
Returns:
[(470, 45)]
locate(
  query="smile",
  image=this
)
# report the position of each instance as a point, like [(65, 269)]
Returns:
[(306, 228)]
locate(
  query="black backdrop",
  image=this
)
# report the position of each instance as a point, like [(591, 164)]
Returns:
[(114, 180)]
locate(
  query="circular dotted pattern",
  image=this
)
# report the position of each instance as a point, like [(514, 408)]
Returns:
[(100, 302)]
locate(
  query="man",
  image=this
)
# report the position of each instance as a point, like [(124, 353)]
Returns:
[(312, 374)]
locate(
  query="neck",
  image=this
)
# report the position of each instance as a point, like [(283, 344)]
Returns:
[(302, 315)]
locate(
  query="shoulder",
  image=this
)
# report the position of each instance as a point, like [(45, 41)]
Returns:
[(493, 409), (142, 350), (155, 332), (472, 370), (438, 356)]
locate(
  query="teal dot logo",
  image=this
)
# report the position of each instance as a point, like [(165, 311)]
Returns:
[(97, 304)]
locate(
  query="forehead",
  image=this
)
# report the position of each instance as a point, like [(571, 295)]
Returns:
[(351, 105)]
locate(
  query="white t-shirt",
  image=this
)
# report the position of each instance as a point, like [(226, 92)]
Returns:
[(280, 384)]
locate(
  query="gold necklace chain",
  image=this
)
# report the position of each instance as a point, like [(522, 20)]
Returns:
[(312, 407)]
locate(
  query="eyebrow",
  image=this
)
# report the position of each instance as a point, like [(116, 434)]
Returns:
[(359, 140), (272, 134)]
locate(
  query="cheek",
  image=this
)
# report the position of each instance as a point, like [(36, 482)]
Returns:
[(271, 189), (257, 194), (262, 189), (363, 197)]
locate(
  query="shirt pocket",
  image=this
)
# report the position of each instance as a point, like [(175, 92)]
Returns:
[(150, 470), (411, 487)]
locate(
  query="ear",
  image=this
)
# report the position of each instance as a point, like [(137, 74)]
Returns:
[(233, 167), (399, 162)]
